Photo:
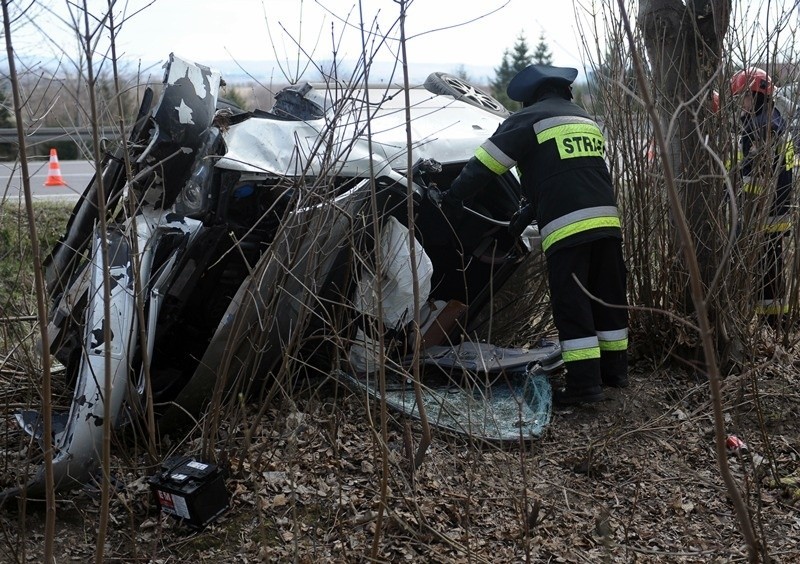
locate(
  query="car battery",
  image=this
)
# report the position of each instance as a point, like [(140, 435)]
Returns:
[(190, 490)]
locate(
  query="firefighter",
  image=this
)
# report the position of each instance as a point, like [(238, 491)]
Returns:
[(559, 153), (767, 157)]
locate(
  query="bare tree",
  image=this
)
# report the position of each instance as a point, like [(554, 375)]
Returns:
[(684, 42)]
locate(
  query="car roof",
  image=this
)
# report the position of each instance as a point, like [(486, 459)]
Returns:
[(343, 127)]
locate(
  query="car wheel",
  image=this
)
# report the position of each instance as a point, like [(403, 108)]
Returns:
[(443, 83)]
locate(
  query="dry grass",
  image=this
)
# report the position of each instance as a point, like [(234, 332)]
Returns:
[(631, 480)]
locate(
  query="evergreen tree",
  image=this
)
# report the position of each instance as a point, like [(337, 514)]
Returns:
[(235, 96), (461, 72), (542, 54), (513, 62), (603, 82), (503, 75)]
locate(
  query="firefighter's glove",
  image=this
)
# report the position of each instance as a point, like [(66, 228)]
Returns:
[(434, 195), (521, 219), (451, 202)]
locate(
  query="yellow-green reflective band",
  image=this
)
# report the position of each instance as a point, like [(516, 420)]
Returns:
[(778, 223), (489, 161), (778, 227), (751, 188), (620, 345), (770, 307), (578, 215), (580, 354), (578, 227), (497, 154), (575, 140), (789, 155)]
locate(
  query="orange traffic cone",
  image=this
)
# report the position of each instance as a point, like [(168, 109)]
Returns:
[(54, 177)]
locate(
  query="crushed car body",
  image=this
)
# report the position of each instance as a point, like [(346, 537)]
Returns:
[(248, 247)]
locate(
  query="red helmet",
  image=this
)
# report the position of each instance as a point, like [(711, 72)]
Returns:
[(753, 79)]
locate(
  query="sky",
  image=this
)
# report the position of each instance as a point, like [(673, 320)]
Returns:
[(447, 33), (267, 38)]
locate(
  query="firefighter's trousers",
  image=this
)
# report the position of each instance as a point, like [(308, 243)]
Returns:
[(593, 336)]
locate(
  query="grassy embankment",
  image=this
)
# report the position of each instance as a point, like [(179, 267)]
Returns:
[(17, 287)]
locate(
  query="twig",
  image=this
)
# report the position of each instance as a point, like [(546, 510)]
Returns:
[(41, 306), (695, 281)]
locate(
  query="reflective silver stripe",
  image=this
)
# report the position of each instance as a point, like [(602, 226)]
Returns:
[(617, 335), (498, 155), (540, 126), (579, 215), (578, 344), (779, 219)]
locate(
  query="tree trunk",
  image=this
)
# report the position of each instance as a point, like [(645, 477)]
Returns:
[(683, 42)]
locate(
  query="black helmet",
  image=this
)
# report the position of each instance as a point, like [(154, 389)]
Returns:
[(527, 81)]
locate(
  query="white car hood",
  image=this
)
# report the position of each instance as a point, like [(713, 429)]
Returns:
[(442, 128)]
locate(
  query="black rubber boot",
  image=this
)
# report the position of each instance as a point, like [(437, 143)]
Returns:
[(614, 369), (566, 397), (616, 381)]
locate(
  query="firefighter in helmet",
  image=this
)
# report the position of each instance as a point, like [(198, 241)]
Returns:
[(766, 161)]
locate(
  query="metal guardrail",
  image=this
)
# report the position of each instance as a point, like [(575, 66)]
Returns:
[(44, 135)]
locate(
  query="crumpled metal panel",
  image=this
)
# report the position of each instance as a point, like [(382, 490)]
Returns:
[(188, 103), (442, 129), (79, 444)]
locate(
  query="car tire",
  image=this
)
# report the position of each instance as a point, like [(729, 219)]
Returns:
[(447, 84)]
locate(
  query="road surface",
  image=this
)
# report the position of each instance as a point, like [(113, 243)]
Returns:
[(76, 175)]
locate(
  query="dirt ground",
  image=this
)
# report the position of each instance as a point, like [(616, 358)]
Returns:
[(633, 479)]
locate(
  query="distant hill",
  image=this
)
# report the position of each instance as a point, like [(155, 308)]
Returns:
[(267, 72)]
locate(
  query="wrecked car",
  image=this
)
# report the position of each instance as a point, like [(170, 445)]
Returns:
[(242, 248)]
